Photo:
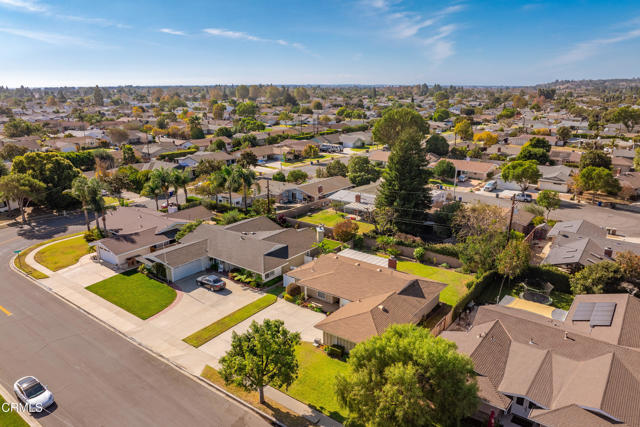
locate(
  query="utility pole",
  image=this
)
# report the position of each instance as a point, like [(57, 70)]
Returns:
[(268, 198), (513, 206)]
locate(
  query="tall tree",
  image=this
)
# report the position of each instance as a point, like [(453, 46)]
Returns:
[(80, 191), (628, 116), (407, 377), (595, 158), (162, 176), (152, 188), (98, 97), (22, 188), (96, 201), (242, 92), (524, 173), (437, 144), (128, 155), (404, 186), (263, 355), (597, 179), (396, 122), (549, 200), (179, 180)]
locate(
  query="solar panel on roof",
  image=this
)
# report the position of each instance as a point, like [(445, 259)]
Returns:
[(583, 311), (602, 314)]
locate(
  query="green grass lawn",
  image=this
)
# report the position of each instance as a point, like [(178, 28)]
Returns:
[(330, 218), (444, 183), (305, 161), (63, 254), (561, 300), (208, 333), (331, 244), (10, 419), (21, 263), (316, 380), (456, 282), (276, 291), (111, 200), (136, 293)]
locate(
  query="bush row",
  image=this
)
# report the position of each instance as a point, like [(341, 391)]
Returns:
[(172, 155)]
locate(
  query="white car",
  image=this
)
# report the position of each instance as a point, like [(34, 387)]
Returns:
[(33, 394), (490, 186), (523, 197)]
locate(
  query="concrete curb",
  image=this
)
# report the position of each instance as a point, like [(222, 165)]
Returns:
[(150, 351), (10, 397)]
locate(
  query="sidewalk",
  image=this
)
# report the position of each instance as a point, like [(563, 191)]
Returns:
[(316, 417)]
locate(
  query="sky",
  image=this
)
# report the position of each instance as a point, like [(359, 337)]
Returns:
[(196, 42)]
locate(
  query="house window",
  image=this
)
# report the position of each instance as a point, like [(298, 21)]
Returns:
[(322, 295), (520, 401), (269, 274)]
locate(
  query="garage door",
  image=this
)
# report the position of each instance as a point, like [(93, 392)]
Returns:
[(187, 269)]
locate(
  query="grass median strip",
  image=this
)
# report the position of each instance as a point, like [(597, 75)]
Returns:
[(21, 263), (208, 333), (10, 418)]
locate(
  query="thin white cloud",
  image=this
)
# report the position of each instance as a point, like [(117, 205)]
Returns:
[(240, 35), (426, 30), (31, 6), (587, 49), (172, 32), (49, 38), (24, 5)]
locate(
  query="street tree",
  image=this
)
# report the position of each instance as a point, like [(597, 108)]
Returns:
[(595, 158), (337, 168), (549, 200), (522, 172), (264, 355), (437, 144), (628, 116), (22, 188), (361, 171), (407, 377), (597, 179)]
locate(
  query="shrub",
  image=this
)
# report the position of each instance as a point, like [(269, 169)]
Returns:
[(358, 241), (547, 273), (335, 350), (418, 253), (393, 251), (345, 230), (289, 298), (231, 217), (187, 228), (444, 265), (444, 249), (93, 235)]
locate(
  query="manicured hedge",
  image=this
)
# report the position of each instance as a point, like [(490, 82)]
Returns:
[(476, 287), (172, 155), (548, 273)]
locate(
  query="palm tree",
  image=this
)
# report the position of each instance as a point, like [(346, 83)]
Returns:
[(152, 189), (96, 201), (79, 191), (248, 178), (231, 180), (179, 180), (163, 177), (215, 184)]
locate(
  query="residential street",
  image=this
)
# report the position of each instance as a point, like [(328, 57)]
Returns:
[(97, 377), (625, 222)]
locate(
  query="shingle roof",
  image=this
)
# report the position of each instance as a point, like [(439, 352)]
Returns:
[(126, 242), (175, 256)]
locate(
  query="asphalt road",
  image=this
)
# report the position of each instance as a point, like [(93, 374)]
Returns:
[(98, 377), (626, 223)]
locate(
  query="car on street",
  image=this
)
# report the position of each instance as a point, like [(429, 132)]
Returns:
[(490, 186), (523, 197), (211, 282), (33, 394)]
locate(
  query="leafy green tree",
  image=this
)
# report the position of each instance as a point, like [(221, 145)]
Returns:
[(522, 172), (248, 159), (208, 166), (549, 200), (507, 113), (513, 261), (22, 188), (441, 114), (128, 155), (16, 128), (195, 129), (162, 176), (242, 91), (310, 151), (396, 121), (301, 94), (285, 116), (538, 142), (10, 151), (217, 110), (564, 133), (407, 377), (279, 176), (346, 230), (264, 355), (316, 105), (361, 171), (595, 158), (296, 175), (628, 116), (337, 168), (480, 253), (404, 186), (444, 169), (597, 179), (458, 153), (437, 144), (55, 172), (601, 278), (539, 155), (247, 109)]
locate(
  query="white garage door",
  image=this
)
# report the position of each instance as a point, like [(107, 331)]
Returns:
[(187, 269)]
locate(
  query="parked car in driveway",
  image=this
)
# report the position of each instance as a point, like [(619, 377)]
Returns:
[(523, 197), (462, 178), (211, 282), (33, 394)]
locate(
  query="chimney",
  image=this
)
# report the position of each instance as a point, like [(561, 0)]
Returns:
[(319, 234), (319, 189), (392, 263), (358, 198), (608, 252)]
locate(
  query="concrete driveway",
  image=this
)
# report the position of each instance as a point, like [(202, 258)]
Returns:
[(296, 319)]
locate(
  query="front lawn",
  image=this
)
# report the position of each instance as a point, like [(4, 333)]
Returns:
[(136, 293), (456, 282), (63, 254), (316, 380), (301, 162), (443, 182), (330, 218), (10, 419), (208, 333), (277, 411), (21, 260)]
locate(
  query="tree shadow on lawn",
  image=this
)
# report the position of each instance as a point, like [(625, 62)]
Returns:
[(333, 414), (287, 418)]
